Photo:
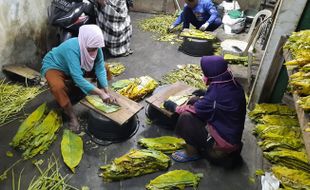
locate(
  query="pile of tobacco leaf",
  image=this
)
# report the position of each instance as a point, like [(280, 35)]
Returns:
[(299, 46), (190, 74), (37, 132), (159, 25), (166, 144), (176, 179), (282, 144), (270, 109), (135, 163), (13, 97), (135, 88), (116, 68), (291, 178), (236, 59), (195, 33)]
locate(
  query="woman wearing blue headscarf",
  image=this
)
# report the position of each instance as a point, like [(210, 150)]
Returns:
[(212, 125)]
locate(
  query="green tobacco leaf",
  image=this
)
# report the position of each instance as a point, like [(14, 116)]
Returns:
[(32, 120), (121, 84), (98, 104), (9, 154), (177, 179), (71, 149), (165, 144), (42, 135)]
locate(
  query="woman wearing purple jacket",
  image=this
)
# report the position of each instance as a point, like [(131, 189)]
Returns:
[(212, 125)]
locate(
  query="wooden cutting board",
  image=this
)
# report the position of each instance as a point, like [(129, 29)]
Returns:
[(128, 108), (176, 89)]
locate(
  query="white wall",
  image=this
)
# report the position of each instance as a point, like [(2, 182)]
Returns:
[(23, 31)]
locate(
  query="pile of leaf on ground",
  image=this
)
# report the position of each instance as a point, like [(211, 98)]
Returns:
[(280, 138), (13, 97), (190, 74), (159, 25), (37, 132), (135, 88)]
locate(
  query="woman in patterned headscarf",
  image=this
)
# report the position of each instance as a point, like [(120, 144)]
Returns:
[(73, 59), (114, 20), (213, 124)]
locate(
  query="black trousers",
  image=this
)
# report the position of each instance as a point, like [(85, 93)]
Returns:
[(194, 132)]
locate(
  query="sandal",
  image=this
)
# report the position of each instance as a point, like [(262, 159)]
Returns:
[(181, 156), (130, 51)]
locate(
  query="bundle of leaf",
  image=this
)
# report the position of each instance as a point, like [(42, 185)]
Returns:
[(299, 42), (291, 178), (135, 88), (289, 158), (236, 60), (135, 163), (270, 109), (37, 132), (100, 105), (302, 87), (71, 149), (50, 178), (279, 137), (166, 144), (195, 33), (299, 83), (272, 143), (116, 68), (190, 74), (304, 103), (13, 97), (159, 24), (279, 120), (266, 131), (176, 179), (298, 63)]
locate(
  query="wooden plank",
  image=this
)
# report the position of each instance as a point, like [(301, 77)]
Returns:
[(128, 108), (303, 119), (22, 70), (176, 89)]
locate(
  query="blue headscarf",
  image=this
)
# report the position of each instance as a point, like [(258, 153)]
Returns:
[(223, 106)]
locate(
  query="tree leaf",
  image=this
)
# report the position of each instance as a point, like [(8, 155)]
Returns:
[(71, 149)]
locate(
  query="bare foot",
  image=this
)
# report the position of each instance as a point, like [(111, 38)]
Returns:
[(74, 125)]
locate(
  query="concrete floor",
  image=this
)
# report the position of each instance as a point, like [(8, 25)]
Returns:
[(150, 58)]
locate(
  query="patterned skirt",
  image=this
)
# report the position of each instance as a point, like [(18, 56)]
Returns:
[(115, 23)]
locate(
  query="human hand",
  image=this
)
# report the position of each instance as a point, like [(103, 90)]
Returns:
[(192, 100), (170, 105), (199, 92), (204, 26), (170, 29)]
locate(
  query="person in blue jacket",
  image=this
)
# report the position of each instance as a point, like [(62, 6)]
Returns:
[(200, 13), (72, 60)]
